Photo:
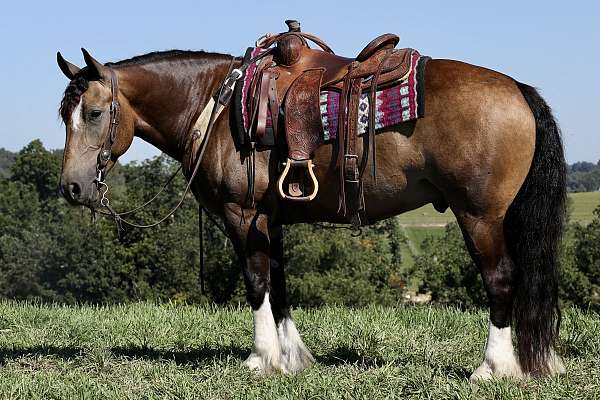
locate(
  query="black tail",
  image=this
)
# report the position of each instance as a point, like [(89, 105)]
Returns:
[(533, 228)]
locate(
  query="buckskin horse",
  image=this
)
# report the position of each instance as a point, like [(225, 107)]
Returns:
[(488, 148)]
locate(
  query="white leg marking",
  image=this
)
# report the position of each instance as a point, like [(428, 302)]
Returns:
[(555, 364), (266, 354), (499, 359), (76, 116), (295, 356)]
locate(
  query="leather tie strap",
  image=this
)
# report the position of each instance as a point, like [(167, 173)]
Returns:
[(267, 86), (273, 103), (372, 118)]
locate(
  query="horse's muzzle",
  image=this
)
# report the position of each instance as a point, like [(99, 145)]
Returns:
[(77, 192)]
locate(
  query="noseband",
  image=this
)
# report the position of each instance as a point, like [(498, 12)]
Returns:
[(115, 109)]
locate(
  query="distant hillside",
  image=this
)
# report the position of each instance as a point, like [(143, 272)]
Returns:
[(583, 176), (7, 158)]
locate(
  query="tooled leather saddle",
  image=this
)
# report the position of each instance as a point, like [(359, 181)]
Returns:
[(288, 82)]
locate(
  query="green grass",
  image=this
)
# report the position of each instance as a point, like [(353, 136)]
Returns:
[(426, 216), (415, 236), (583, 206), (168, 351), (426, 221)]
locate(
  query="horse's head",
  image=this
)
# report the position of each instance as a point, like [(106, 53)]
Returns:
[(99, 127)]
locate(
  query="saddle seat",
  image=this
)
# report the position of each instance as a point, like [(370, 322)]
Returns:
[(292, 57), (292, 75)]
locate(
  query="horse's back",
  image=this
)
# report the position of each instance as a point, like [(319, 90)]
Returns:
[(471, 151)]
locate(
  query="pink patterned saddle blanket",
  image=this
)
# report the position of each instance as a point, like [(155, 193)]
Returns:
[(396, 104)]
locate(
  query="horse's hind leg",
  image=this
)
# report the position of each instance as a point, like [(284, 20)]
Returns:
[(248, 231), (294, 355), (485, 241)]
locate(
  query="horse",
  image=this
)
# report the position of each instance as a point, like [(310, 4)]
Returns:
[(488, 148)]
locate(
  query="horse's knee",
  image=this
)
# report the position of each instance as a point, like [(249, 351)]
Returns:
[(256, 290)]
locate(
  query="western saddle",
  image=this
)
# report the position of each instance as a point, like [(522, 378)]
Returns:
[(292, 74)]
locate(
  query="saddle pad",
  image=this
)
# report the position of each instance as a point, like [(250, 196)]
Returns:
[(395, 104), (399, 103)]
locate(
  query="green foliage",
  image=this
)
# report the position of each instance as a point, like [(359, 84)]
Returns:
[(335, 267), (7, 159), (583, 177), (37, 166), (50, 251), (581, 269), (445, 269)]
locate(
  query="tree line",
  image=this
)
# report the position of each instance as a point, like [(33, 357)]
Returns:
[(53, 252)]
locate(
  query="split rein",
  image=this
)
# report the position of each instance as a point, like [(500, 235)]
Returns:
[(222, 100)]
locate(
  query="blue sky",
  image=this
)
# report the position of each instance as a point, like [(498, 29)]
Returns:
[(551, 45)]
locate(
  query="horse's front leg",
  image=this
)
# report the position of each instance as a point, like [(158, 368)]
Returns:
[(294, 355), (248, 230)]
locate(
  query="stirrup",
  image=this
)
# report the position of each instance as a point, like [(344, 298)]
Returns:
[(295, 164)]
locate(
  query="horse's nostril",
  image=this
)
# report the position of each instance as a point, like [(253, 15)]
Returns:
[(74, 190)]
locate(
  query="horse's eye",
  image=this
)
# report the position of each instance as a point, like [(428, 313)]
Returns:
[(95, 114)]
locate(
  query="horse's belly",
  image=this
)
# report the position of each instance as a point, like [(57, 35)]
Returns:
[(400, 186)]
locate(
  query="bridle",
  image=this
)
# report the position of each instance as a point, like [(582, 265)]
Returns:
[(214, 108), (115, 111)]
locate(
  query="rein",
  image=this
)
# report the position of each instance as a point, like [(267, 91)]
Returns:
[(216, 107), (223, 97)]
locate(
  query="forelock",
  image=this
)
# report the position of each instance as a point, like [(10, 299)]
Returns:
[(72, 96)]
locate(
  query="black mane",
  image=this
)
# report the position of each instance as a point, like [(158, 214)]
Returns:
[(79, 84), (162, 55)]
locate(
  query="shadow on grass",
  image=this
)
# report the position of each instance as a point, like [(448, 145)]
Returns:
[(345, 355), (349, 356), (199, 356), (66, 353), (193, 357)]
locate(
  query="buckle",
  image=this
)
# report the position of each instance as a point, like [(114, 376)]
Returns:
[(237, 72)]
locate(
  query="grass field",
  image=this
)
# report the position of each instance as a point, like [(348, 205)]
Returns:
[(426, 221), (582, 211), (149, 351), (583, 206)]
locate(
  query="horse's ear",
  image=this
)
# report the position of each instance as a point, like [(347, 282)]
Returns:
[(70, 70), (96, 68)]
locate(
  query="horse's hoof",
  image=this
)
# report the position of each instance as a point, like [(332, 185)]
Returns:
[(488, 370), (555, 364), (297, 358), (294, 354), (263, 365)]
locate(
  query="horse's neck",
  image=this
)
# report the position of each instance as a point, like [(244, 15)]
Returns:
[(167, 96)]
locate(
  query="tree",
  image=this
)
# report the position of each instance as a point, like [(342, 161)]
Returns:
[(37, 166), (580, 282), (446, 269)]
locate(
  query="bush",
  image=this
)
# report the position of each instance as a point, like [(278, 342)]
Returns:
[(335, 267), (580, 283), (446, 270)]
